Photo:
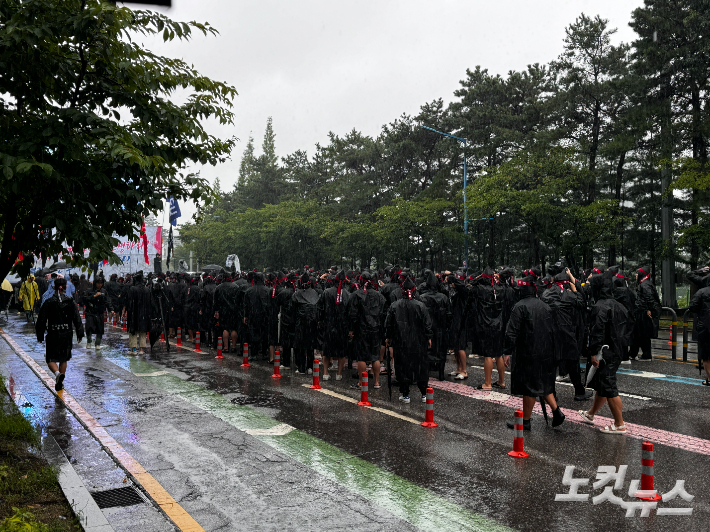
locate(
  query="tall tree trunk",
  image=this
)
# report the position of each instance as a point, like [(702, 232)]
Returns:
[(491, 244), (617, 190)]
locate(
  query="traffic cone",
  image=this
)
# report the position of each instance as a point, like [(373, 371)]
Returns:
[(219, 348), (518, 451), (179, 337), (113, 324), (105, 316), (364, 387), (197, 342), (277, 365), (429, 413), (124, 326), (162, 336), (245, 357), (648, 492), (316, 375)]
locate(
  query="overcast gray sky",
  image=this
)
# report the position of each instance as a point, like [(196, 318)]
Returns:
[(324, 65)]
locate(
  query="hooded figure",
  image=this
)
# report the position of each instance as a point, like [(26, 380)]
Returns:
[(96, 302), (335, 321), (207, 321), (700, 305), (439, 307), (567, 304), (646, 315), (29, 295), (256, 311), (609, 326), (409, 332), (138, 310), (113, 291), (284, 304), (460, 307), (192, 307), (226, 313), (487, 309), (530, 344), (367, 319), (305, 312), (176, 292)]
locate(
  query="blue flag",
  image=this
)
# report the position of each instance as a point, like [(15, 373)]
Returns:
[(174, 210)]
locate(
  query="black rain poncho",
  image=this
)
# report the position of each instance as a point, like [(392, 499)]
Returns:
[(439, 307), (366, 313), (488, 315), (225, 302), (207, 320), (57, 317), (96, 306), (408, 327), (460, 303), (256, 310), (568, 326), (334, 318), (647, 299), (529, 340), (192, 306), (138, 307), (305, 312)]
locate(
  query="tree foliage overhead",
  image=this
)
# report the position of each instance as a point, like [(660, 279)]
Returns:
[(96, 130), (564, 163)]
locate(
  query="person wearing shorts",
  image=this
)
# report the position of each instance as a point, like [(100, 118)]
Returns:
[(58, 317), (610, 325), (700, 305), (366, 316)]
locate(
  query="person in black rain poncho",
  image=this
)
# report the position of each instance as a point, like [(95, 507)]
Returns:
[(96, 302), (460, 303), (113, 290), (366, 310), (408, 331), (488, 300), (257, 302), (137, 311), (207, 321), (226, 313), (284, 302), (610, 325), (567, 303), (305, 311), (439, 307), (57, 317), (627, 297), (647, 315), (530, 352), (192, 307), (700, 305), (334, 320)]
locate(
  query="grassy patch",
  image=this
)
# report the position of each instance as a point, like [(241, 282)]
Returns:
[(30, 496)]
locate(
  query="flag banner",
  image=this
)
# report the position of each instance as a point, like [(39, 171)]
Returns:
[(174, 210)]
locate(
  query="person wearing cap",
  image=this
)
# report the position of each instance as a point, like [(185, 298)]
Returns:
[(192, 308), (59, 317), (487, 302), (647, 315), (284, 302), (529, 351), (567, 302), (113, 291), (96, 302), (408, 330), (304, 306), (627, 297), (335, 323), (610, 325)]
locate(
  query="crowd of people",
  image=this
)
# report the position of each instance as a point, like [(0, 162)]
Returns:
[(541, 327)]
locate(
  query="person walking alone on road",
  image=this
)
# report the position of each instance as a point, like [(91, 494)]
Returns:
[(57, 317), (29, 295)]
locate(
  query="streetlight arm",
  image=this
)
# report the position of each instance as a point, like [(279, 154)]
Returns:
[(445, 134)]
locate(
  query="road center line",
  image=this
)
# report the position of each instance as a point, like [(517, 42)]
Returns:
[(163, 499)]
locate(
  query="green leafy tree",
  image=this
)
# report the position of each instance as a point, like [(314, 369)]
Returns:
[(92, 136)]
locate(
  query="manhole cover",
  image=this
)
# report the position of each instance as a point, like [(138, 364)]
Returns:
[(127, 496)]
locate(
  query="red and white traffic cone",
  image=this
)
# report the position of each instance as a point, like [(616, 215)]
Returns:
[(105, 316), (113, 324), (647, 492), (124, 325), (364, 391), (197, 342), (277, 365), (219, 348), (162, 336), (429, 413), (245, 357), (316, 375), (179, 337), (518, 443)]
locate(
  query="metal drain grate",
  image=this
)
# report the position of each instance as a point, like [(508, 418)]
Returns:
[(127, 496)]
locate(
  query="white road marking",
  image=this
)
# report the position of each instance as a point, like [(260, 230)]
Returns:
[(279, 430)]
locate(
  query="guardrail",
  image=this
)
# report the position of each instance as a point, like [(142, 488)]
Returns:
[(674, 326), (686, 314)]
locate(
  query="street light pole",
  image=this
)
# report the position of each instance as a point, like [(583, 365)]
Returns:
[(465, 183)]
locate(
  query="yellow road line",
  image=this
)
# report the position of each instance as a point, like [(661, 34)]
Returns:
[(355, 401), (158, 493), (676, 361)]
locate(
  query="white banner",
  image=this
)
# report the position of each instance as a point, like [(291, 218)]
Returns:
[(129, 251)]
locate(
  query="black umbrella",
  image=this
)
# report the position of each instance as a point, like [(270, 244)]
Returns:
[(211, 267), (58, 266)]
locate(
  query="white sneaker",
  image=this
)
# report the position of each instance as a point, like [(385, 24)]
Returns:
[(559, 378), (326, 377), (98, 346), (404, 399), (285, 367), (626, 362), (298, 373), (423, 398), (338, 377), (310, 371)]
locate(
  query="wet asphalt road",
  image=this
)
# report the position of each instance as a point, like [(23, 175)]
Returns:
[(240, 450)]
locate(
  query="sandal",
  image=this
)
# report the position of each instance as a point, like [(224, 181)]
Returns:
[(453, 373), (496, 385), (480, 387), (706, 382), (377, 386), (585, 417), (460, 377), (613, 429)]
